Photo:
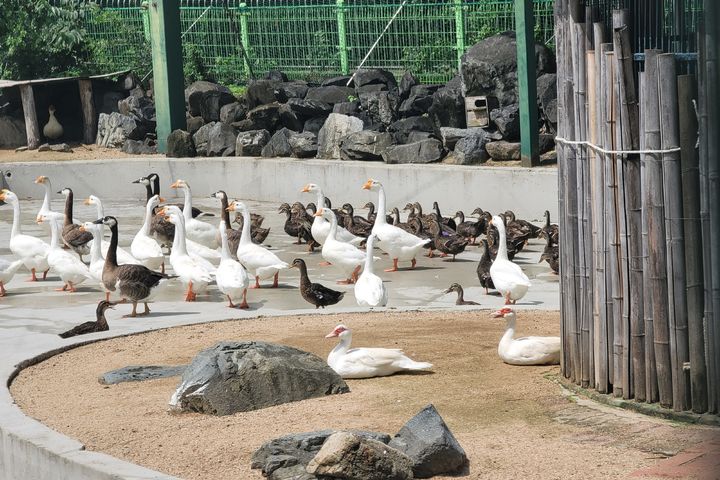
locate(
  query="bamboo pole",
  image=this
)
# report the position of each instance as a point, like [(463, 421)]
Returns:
[(687, 94)]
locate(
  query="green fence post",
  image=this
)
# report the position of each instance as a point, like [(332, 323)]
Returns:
[(342, 38), (527, 83), (245, 36), (144, 13), (167, 68), (459, 30)]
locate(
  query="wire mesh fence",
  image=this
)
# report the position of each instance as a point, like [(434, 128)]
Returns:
[(310, 39)]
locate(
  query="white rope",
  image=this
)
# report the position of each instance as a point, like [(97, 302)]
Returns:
[(598, 148)]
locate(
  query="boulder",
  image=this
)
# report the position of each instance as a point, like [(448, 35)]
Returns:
[(279, 144), (407, 82), (430, 444), (289, 119), (347, 108), (287, 90), (375, 76), (402, 128), (211, 102), (350, 456), (341, 81), (276, 76), (260, 92), (490, 67), (109, 102), (380, 106), (233, 112), (547, 97), (12, 132), (365, 145), (450, 136), (419, 100), (139, 373), (201, 139), (470, 150), (503, 150), (194, 124), (375, 87), (507, 121), (305, 109), (448, 106), (424, 151), (221, 140), (331, 134), (314, 124), (193, 94), (251, 143), (546, 142), (139, 147), (140, 108), (232, 377), (415, 136), (180, 144), (264, 117), (115, 128), (303, 145), (331, 94)]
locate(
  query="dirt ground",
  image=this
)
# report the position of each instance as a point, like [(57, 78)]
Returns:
[(79, 152), (513, 422)]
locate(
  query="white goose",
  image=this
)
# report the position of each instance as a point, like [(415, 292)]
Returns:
[(526, 350), (348, 257), (52, 129), (231, 278), (68, 266), (260, 262), (45, 207), (369, 288), (97, 260), (194, 272), (8, 270), (123, 256), (32, 251), (144, 247), (367, 362), (508, 278), (396, 242), (197, 231), (320, 228)]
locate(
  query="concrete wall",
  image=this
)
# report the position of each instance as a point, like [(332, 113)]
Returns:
[(529, 192)]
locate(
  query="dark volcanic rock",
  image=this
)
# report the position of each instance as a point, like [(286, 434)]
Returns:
[(193, 94), (381, 107), (201, 139), (503, 150), (115, 128), (287, 90), (314, 124), (211, 102), (233, 112), (374, 87), (139, 147), (264, 117), (279, 144), (470, 150), (233, 377), (12, 132), (180, 144), (138, 373), (448, 106), (424, 151), (546, 142), (507, 121), (330, 94), (140, 108), (375, 76), (547, 97), (341, 81), (276, 76), (109, 103), (305, 109), (303, 145), (336, 128), (430, 444), (347, 108), (260, 92), (402, 128), (251, 143), (194, 124), (365, 145), (221, 140), (289, 119), (407, 82), (450, 136)]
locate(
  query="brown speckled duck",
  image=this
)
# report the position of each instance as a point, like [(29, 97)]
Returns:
[(315, 293), (455, 287)]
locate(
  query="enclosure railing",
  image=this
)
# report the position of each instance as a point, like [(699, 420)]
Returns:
[(311, 39)]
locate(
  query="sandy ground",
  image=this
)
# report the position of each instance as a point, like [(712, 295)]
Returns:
[(80, 152), (513, 422)]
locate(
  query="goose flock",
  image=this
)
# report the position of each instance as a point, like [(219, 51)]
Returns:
[(175, 244)]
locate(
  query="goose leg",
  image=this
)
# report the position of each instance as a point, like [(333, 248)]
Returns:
[(64, 287), (394, 267), (230, 304), (190, 296), (33, 278), (275, 280), (107, 296), (244, 303), (257, 282), (2, 289), (132, 314), (430, 254), (162, 268), (324, 264), (507, 299), (72, 287), (355, 274), (147, 309), (45, 273), (413, 263)]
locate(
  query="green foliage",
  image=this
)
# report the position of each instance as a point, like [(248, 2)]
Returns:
[(116, 44), (434, 57), (193, 63)]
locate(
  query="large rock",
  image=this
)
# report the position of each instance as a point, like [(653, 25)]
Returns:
[(201, 139), (305, 109), (430, 444), (450, 136), (289, 119), (336, 128), (365, 145), (233, 112), (547, 97), (139, 147), (211, 103), (380, 106), (347, 108), (314, 124), (260, 92), (115, 128), (503, 150), (507, 121), (251, 143), (275, 75), (419, 100), (407, 82), (375, 76), (193, 94), (264, 117), (221, 140), (490, 67), (341, 81), (140, 108), (232, 377), (279, 144), (303, 145), (194, 124), (424, 151), (287, 90), (331, 94), (350, 456), (180, 144), (402, 128), (12, 132), (448, 105), (470, 150)]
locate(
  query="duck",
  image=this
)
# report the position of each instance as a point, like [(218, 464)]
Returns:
[(512, 245), (144, 247), (446, 221), (455, 287), (32, 251), (415, 227), (195, 272), (370, 206), (233, 236), (160, 227), (397, 243), (315, 293), (97, 261), (368, 362), (508, 277), (469, 230), (355, 224), (295, 224), (122, 255), (196, 230), (72, 236), (550, 230), (407, 226), (69, 267), (99, 325), (8, 270), (260, 262), (231, 277), (523, 225), (321, 227), (483, 268), (258, 234), (525, 350), (450, 244), (346, 256), (299, 212), (551, 254), (370, 290), (52, 129)]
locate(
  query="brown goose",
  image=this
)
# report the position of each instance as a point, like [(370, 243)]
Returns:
[(99, 325), (72, 236), (455, 287), (233, 236), (315, 293), (483, 268), (134, 282)]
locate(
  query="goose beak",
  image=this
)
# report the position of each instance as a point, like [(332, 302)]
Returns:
[(81, 228), (331, 334), (2, 194), (213, 195), (87, 201), (40, 179), (368, 184), (162, 212), (137, 181), (319, 213), (305, 189), (448, 290), (230, 208), (161, 199), (59, 192), (177, 184), (98, 221), (38, 220)]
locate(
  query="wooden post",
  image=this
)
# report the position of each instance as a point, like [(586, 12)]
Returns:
[(687, 93), (88, 111), (32, 129)]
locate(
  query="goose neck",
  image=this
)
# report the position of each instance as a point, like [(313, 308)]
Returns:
[(245, 235), (16, 229), (46, 200), (69, 208), (380, 217), (225, 248), (148, 217), (341, 348), (111, 255), (502, 242), (509, 329), (96, 248), (54, 234), (333, 226), (179, 244), (369, 254), (224, 212), (187, 206)]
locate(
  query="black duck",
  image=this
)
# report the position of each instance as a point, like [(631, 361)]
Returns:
[(469, 230), (483, 268), (448, 244), (99, 325), (358, 226), (449, 222), (551, 254), (315, 293), (455, 287)]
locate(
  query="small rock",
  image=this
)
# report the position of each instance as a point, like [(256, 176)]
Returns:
[(279, 144), (65, 148), (549, 158), (507, 121), (305, 109), (201, 139), (375, 87), (380, 106), (180, 144), (336, 128), (12, 132), (211, 102), (448, 106), (194, 124), (451, 135), (424, 151), (341, 81), (430, 444), (314, 124), (260, 92), (233, 112), (24, 148), (347, 108), (331, 94), (264, 117), (287, 90), (276, 76), (289, 119), (407, 82), (251, 143), (303, 145), (503, 150), (138, 373), (546, 142), (45, 147), (115, 128), (140, 108), (138, 147), (365, 145)]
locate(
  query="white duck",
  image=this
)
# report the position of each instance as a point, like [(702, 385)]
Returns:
[(197, 231), (123, 256), (52, 129), (396, 242), (348, 257), (508, 277), (369, 288), (260, 262), (32, 251), (367, 362), (144, 247), (320, 228), (231, 278), (194, 272), (8, 270), (526, 350), (68, 266)]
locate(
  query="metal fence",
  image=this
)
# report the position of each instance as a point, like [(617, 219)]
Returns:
[(310, 39)]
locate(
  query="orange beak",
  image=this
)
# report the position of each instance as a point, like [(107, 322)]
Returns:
[(2, 194), (87, 202), (40, 179), (161, 199), (231, 208), (305, 189), (82, 228), (162, 212), (319, 213), (368, 184), (38, 220), (176, 184)]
